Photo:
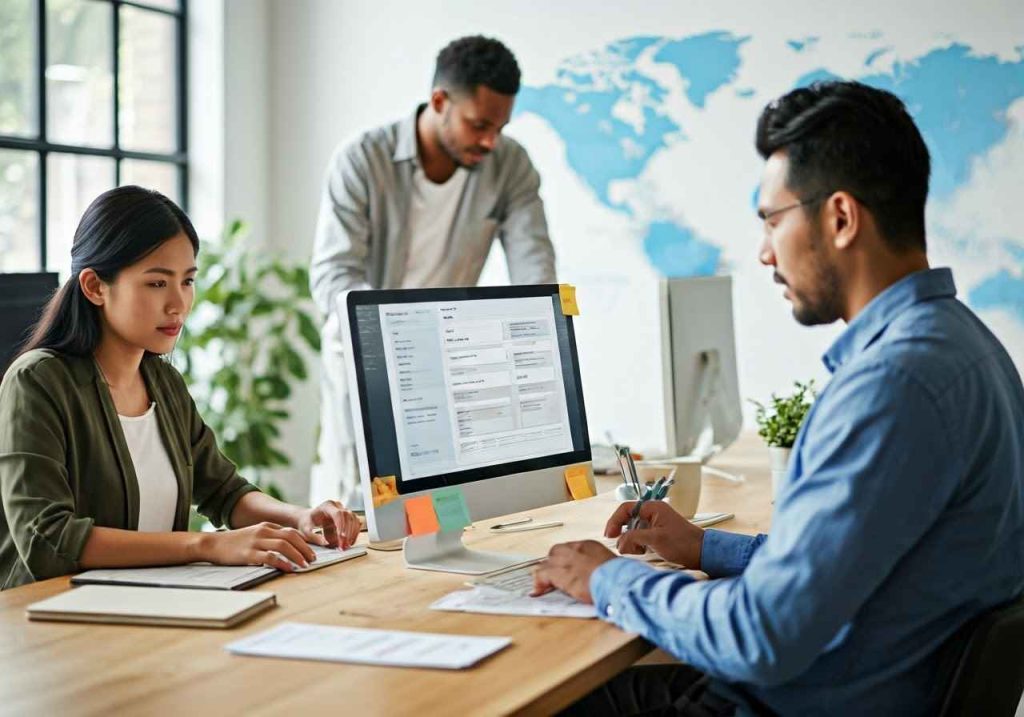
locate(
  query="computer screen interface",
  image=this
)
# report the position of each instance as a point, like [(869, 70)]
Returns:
[(463, 385)]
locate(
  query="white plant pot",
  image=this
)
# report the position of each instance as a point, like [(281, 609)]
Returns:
[(780, 465)]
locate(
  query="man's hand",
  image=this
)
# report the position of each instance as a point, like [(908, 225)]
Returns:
[(340, 527), (569, 567), (668, 534)]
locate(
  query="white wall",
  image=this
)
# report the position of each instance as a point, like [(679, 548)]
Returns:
[(300, 76)]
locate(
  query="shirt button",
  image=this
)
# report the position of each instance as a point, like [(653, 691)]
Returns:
[(609, 611)]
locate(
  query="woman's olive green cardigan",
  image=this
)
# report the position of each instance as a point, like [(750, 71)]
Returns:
[(65, 467)]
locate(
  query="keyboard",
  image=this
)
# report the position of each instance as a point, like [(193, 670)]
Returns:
[(328, 556)]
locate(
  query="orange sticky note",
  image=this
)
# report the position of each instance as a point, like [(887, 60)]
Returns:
[(419, 512), (567, 294), (384, 490), (579, 486)]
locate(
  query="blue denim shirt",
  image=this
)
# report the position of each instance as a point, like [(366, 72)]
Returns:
[(902, 517)]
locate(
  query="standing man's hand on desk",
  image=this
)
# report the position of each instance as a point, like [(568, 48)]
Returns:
[(569, 567), (668, 534)]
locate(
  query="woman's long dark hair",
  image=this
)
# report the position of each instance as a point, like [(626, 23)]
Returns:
[(119, 228)]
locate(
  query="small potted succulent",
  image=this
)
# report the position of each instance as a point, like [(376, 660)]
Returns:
[(778, 424)]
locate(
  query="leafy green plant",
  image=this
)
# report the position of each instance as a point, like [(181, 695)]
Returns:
[(239, 352), (780, 421)]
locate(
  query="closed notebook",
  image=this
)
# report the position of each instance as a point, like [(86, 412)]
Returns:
[(152, 606)]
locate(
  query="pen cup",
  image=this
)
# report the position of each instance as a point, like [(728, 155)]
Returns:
[(684, 494)]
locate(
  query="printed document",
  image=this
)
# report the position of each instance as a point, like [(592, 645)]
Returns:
[(495, 601), (303, 641)]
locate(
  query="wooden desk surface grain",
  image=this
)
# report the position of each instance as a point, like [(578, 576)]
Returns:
[(68, 668)]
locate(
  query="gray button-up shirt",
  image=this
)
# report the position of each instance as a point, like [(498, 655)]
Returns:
[(362, 235)]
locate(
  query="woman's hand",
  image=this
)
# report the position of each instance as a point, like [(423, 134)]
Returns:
[(261, 544), (340, 527)]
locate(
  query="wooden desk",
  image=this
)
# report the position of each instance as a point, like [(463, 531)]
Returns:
[(67, 668)]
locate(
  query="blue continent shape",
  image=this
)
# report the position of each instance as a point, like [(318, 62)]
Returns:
[(677, 251), (1002, 290), (959, 101), (601, 148)]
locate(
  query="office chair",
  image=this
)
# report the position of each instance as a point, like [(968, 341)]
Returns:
[(989, 676)]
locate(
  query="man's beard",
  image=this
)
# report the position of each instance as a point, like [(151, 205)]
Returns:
[(826, 304)]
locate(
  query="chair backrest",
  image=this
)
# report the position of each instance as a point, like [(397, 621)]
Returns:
[(989, 678)]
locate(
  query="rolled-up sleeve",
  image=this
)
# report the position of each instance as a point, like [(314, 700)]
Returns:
[(342, 239), (524, 228), (38, 503)]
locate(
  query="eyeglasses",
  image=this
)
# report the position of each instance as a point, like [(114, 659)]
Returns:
[(766, 215)]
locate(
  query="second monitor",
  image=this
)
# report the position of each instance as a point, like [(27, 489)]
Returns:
[(471, 387)]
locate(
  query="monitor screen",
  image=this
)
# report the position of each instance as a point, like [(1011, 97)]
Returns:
[(461, 385)]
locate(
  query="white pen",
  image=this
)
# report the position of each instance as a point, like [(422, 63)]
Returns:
[(514, 522)]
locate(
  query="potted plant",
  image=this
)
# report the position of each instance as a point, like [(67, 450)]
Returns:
[(778, 424), (241, 354)]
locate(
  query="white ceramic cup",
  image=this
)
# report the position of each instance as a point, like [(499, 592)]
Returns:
[(684, 494)]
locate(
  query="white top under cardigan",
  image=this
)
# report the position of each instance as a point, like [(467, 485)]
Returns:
[(158, 488)]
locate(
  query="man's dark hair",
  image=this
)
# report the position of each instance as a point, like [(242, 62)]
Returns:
[(851, 137), (472, 61)]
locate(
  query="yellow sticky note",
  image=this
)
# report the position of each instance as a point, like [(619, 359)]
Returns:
[(579, 486), (567, 293), (419, 513), (384, 490)]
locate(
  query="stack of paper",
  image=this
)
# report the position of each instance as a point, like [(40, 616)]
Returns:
[(366, 646), (494, 601)]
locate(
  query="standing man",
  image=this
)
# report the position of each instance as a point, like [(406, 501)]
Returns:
[(902, 516), (415, 204)]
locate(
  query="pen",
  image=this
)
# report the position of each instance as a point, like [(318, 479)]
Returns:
[(513, 522), (636, 509)]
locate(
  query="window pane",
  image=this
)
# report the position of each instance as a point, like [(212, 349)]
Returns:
[(161, 176), (72, 182), (19, 210), (17, 67), (79, 72), (148, 119)]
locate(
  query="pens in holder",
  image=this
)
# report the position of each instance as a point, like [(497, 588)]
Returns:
[(628, 468)]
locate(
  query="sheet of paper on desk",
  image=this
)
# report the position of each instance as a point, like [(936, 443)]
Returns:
[(303, 641), (501, 602)]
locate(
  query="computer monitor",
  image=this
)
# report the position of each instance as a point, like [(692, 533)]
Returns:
[(471, 387), (703, 414), (22, 297)]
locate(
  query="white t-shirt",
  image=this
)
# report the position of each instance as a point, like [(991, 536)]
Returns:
[(158, 488), (432, 210)]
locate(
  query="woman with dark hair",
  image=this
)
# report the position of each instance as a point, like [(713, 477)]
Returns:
[(102, 450)]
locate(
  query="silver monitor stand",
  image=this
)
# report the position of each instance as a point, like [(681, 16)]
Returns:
[(445, 552)]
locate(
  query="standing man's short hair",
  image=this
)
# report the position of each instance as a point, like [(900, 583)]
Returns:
[(851, 137), (466, 63)]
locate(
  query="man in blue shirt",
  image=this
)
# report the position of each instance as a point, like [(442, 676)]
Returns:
[(902, 516)]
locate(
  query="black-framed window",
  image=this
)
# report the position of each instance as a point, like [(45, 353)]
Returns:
[(92, 96)]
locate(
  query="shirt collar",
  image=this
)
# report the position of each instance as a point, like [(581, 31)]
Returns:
[(883, 309), (406, 147)]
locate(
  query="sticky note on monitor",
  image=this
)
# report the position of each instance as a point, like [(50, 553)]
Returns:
[(576, 480), (384, 490), (420, 515), (567, 294), (451, 509)]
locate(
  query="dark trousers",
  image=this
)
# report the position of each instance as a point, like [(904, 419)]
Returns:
[(654, 690)]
